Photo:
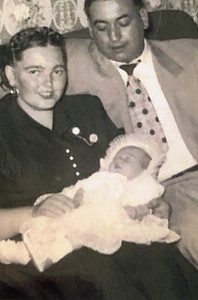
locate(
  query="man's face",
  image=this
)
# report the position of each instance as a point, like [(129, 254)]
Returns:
[(117, 27)]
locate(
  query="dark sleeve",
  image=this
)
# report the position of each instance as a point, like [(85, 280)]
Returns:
[(11, 195), (4, 178)]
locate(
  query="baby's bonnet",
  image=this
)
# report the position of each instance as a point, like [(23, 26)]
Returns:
[(143, 142)]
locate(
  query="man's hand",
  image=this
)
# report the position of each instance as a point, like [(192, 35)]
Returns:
[(57, 204), (138, 212), (160, 208)]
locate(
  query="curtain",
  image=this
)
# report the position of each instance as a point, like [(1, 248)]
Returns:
[(66, 15)]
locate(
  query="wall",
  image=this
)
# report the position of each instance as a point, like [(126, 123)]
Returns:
[(65, 15), (188, 6)]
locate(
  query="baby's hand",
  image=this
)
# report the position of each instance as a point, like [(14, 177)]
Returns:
[(138, 212), (57, 204)]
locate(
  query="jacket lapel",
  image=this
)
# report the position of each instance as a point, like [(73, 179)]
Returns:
[(165, 61), (119, 111), (179, 85)]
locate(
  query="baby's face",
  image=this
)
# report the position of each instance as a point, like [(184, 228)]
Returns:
[(127, 162)]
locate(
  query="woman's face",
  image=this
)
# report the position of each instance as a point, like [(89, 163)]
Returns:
[(40, 78)]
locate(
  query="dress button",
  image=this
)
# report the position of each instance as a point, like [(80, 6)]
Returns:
[(71, 158), (74, 165), (77, 173), (67, 150), (75, 130)]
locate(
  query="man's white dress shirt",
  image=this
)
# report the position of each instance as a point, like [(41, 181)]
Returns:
[(178, 156)]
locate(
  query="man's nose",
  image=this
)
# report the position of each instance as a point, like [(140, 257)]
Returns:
[(114, 33)]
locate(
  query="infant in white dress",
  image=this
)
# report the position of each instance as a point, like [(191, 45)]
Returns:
[(127, 179)]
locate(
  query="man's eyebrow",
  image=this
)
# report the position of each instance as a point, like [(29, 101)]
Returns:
[(99, 21), (105, 22), (123, 16)]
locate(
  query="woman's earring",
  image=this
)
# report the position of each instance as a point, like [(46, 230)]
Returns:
[(14, 91)]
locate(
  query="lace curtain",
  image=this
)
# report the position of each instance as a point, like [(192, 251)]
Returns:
[(66, 15)]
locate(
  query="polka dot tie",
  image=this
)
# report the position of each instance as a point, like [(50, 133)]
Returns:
[(143, 115)]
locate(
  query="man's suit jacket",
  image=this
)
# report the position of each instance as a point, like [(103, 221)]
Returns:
[(176, 65)]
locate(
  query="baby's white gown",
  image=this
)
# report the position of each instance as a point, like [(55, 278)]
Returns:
[(100, 222)]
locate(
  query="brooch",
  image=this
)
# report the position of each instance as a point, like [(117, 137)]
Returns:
[(93, 138)]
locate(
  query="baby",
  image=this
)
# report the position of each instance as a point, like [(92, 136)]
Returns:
[(131, 161), (114, 207)]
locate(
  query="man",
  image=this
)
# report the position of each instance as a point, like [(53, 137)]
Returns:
[(168, 71)]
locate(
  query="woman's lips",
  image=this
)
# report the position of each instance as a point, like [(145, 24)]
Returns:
[(46, 95)]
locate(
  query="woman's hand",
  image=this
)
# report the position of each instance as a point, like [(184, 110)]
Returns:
[(160, 208), (57, 204)]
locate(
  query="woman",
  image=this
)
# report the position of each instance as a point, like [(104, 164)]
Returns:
[(44, 151), (49, 141)]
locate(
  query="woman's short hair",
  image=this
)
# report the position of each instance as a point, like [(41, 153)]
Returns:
[(87, 4), (23, 40)]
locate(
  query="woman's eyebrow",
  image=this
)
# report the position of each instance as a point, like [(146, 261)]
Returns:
[(33, 66), (41, 67), (59, 66)]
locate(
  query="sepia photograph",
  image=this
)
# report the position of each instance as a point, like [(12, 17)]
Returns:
[(98, 149)]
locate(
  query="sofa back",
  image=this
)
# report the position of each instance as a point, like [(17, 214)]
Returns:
[(164, 25)]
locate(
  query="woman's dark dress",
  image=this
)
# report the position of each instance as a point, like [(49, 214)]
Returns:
[(35, 161)]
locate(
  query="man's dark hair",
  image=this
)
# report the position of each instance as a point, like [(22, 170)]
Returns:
[(87, 4)]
